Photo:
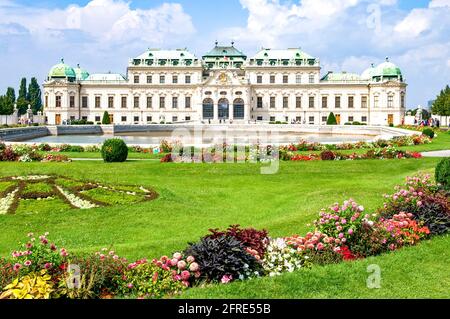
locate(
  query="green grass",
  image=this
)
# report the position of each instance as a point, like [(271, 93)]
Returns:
[(6, 185), (41, 207), (112, 197), (196, 197), (37, 188)]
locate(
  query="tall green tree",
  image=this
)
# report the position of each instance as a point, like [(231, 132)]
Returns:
[(11, 94), (22, 99), (441, 105), (35, 96), (9, 100)]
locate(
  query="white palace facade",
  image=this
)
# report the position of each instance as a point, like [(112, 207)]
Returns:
[(225, 86)]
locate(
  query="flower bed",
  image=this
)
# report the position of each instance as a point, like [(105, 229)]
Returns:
[(31, 194), (343, 232)]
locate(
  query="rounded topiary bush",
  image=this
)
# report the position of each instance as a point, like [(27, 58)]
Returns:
[(443, 173), (114, 151), (428, 132)]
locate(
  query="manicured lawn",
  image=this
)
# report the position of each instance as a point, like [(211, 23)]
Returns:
[(196, 197)]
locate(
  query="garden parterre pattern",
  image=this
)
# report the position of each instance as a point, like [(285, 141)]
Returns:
[(45, 193)]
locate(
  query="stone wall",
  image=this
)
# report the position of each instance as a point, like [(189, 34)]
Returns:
[(23, 133)]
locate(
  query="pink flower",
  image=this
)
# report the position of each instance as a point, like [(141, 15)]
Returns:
[(48, 265), (130, 286), (52, 247), (27, 263), (174, 262), (177, 256), (350, 231), (197, 274), (181, 265), (186, 283), (194, 267), (111, 253), (17, 266), (419, 203), (226, 279), (185, 275), (339, 228), (190, 259), (320, 246), (344, 221)]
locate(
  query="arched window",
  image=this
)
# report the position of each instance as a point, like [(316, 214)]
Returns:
[(238, 109), (208, 109), (224, 109)]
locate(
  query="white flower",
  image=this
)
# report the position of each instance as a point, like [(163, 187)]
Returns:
[(7, 201), (76, 201)]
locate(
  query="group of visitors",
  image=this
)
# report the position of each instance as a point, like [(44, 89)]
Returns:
[(431, 122)]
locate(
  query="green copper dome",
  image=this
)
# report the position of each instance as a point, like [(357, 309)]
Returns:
[(369, 73), (80, 73), (388, 69), (62, 70)]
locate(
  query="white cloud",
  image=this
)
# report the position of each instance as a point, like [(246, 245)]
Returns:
[(106, 21), (439, 3)]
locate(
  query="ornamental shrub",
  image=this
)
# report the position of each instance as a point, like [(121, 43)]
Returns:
[(223, 259), (428, 132), (35, 285), (2, 147), (331, 119), (106, 120), (422, 198), (328, 156), (100, 275), (251, 238), (343, 223), (114, 151), (443, 173), (147, 280), (282, 257)]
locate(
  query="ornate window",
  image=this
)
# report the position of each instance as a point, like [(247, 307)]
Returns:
[(272, 102), (124, 102), (58, 101), (351, 102), (208, 109), (97, 102), (187, 102), (84, 102), (238, 109), (390, 101), (311, 102), (71, 101), (149, 102), (324, 102), (364, 102), (111, 102), (298, 102), (259, 102), (136, 102), (285, 102), (175, 102), (337, 102)]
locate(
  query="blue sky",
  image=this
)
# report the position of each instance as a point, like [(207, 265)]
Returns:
[(347, 35)]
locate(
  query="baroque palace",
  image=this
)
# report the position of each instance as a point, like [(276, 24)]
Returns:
[(226, 86)]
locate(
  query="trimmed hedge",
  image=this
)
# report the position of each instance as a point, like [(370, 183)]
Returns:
[(443, 173), (114, 151), (428, 132)]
